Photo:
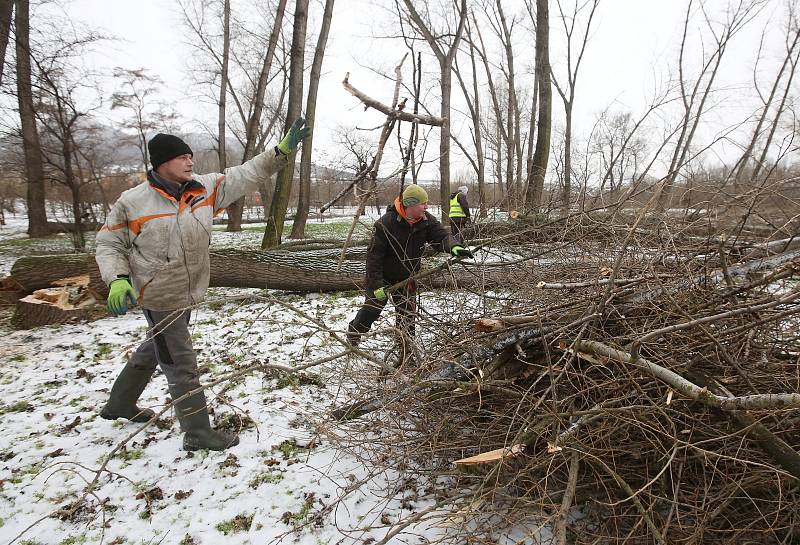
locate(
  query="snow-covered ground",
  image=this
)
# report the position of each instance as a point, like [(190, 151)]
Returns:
[(283, 474), (285, 481), (283, 478)]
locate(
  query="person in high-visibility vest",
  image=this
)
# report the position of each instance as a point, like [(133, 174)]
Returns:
[(459, 212)]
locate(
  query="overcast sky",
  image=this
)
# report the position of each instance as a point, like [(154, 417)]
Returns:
[(630, 48)]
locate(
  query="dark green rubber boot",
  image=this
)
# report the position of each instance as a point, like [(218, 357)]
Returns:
[(129, 385), (193, 416)]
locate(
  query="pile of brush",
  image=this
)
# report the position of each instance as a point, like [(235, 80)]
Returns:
[(640, 384)]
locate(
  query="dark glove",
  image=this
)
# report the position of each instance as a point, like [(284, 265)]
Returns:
[(460, 251)]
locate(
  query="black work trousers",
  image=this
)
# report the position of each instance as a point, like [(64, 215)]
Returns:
[(405, 306)]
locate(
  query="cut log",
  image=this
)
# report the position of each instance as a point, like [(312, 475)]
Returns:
[(10, 291), (283, 271), (229, 268), (70, 301), (38, 272)]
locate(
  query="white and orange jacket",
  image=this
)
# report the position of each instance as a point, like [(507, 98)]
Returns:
[(162, 244)]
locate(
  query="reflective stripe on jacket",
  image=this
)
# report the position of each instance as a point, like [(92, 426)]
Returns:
[(162, 243)]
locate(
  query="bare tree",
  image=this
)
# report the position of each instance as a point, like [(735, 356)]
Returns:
[(792, 58), (67, 97), (445, 53), (473, 100), (535, 182), (250, 96), (253, 124), (619, 153), (567, 90), (283, 185), (303, 200), (34, 167), (146, 113), (695, 96), (513, 115), (223, 85)]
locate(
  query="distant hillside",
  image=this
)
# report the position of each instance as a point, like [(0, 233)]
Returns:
[(120, 151)]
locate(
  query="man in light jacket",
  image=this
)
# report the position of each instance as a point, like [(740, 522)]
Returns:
[(153, 249)]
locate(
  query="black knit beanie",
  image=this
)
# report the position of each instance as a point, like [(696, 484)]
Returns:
[(163, 147)]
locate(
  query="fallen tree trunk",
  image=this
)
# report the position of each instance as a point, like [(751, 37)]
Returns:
[(229, 268), (233, 268)]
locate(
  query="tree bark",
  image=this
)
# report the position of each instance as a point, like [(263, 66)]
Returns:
[(34, 168), (283, 183), (294, 271), (6, 9), (303, 200), (254, 121), (299, 271), (535, 182), (223, 85)]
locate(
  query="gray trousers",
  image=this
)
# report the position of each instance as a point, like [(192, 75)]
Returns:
[(169, 345)]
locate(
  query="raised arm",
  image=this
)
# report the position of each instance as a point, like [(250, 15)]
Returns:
[(237, 181)]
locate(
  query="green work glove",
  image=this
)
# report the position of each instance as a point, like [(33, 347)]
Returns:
[(460, 251), (292, 139), (119, 292), (380, 294)]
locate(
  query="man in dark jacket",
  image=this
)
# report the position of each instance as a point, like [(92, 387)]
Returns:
[(459, 213), (395, 254)]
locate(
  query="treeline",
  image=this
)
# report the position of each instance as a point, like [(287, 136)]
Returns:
[(494, 83)]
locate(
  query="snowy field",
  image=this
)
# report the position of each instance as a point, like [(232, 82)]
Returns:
[(279, 481)]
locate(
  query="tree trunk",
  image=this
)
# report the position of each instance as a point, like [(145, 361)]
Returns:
[(300, 271), (223, 85), (254, 121), (277, 269), (303, 200), (474, 105), (514, 151), (78, 240), (532, 130), (283, 184), (533, 196), (71, 300), (6, 9), (565, 197), (446, 68), (34, 168)]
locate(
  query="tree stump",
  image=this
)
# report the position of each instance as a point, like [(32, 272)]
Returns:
[(10, 291), (70, 301)]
